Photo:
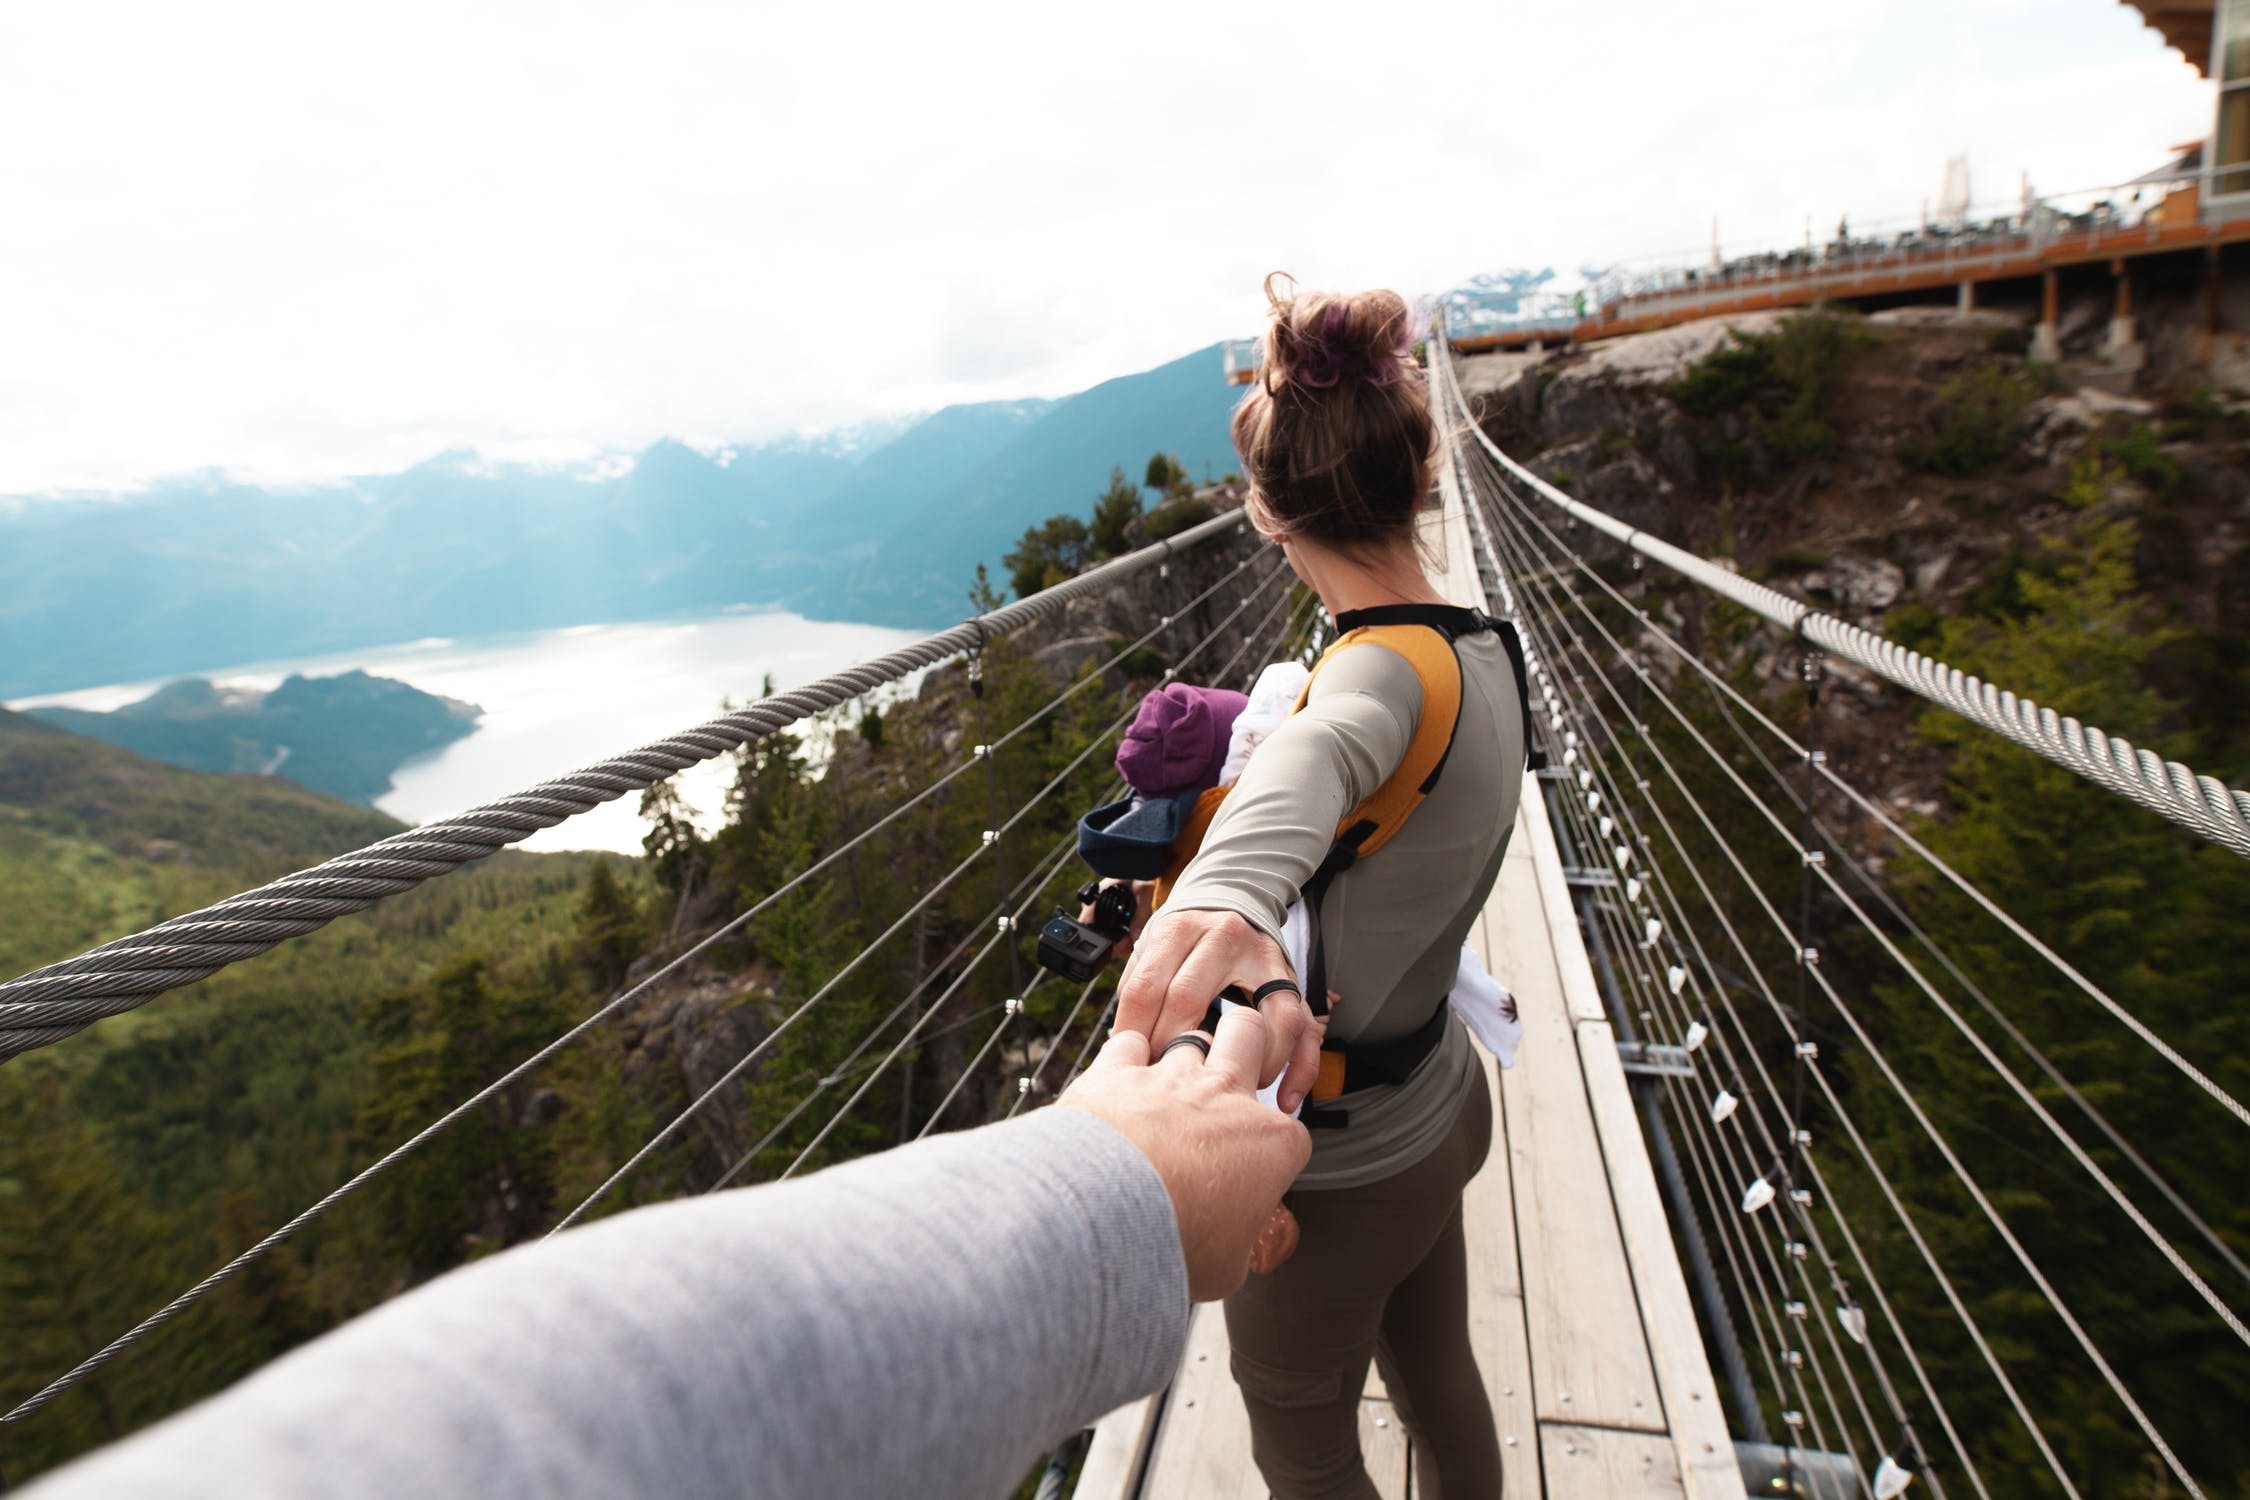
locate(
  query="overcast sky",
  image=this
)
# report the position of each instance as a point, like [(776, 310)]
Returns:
[(306, 239)]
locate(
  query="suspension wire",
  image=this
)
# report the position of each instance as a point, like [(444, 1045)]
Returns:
[(1899, 914), (1611, 918), (1969, 1183), (1700, 1127), (1029, 1081), (787, 705), (991, 760), (2200, 804), (1055, 859), (1708, 966), (851, 966), (1807, 967), (1891, 825), (969, 1068), (842, 1073), (1015, 1009), (1757, 980)]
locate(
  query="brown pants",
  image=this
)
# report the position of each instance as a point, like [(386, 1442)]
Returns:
[(1381, 1272)]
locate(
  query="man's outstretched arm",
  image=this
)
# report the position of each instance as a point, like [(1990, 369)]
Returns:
[(924, 1322)]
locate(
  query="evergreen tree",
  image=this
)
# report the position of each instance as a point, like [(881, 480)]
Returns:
[(1118, 507), (82, 1258), (486, 1182), (610, 934)]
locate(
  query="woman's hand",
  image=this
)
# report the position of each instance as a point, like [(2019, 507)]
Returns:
[(1144, 896), (1183, 960)]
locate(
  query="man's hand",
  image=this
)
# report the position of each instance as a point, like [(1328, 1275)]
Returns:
[(1182, 962), (1225, 1158)]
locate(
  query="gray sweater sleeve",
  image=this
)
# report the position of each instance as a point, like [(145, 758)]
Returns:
[(1275, 827), (925, 1322)]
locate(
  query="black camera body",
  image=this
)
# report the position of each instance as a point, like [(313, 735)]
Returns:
[(1078, 950)]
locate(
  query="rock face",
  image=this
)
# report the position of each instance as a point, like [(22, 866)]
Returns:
[(1871, 515)]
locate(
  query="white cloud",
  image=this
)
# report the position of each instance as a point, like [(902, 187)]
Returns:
[(314, 240)]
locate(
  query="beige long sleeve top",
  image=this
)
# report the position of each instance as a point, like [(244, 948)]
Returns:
[(1393, 924)]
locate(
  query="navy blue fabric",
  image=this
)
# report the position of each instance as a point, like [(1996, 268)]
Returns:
[(1132, 839)]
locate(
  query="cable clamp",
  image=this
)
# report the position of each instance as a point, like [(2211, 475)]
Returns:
[(1793, 1358), (1796, 1250), (1013, 1005), (991, 837), (1006, 924), (1802, 1197), (1795, 1310), (1815, 860), (1817, 757), (1808, 1051), (1793, 1418), (1023, 1088), (982, 752), (1809, 957), (1800, 1138)]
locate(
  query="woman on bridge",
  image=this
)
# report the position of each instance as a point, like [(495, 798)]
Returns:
[(1336, 439)]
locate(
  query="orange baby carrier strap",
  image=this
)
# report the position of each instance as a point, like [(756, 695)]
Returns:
[(1429, 651)]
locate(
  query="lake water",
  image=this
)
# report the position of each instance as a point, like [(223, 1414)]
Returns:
[(556, 700)]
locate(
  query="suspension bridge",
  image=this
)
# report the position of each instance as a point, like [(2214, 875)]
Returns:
[(1669, 1294)]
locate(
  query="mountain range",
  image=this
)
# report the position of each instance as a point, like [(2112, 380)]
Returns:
[(195, 575)]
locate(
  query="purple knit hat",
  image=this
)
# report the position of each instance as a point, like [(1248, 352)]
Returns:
[(1178, 741)]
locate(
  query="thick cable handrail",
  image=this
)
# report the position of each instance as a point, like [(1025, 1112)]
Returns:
[(2202, 804), (60, 999)]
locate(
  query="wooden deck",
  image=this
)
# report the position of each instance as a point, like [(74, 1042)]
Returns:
[(1579, 1313)]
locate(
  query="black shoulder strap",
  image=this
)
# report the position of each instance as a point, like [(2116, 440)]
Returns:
[(1535, 759)]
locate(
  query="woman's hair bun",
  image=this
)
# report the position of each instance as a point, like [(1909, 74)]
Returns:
[(1336, 435), (1320, 340)]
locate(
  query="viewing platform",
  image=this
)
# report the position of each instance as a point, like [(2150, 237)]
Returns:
[(1579, 1311)]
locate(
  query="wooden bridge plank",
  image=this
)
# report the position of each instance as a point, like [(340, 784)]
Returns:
[(1589, 1359), (1496, 1316), (1203, 1445), (1600, 1463), (1692, 1409), (1383, 1441), (1119, 1453)]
